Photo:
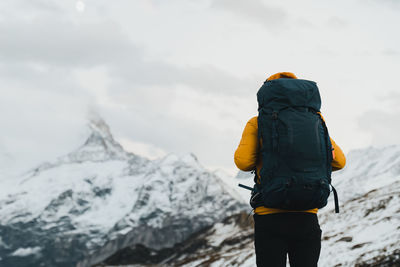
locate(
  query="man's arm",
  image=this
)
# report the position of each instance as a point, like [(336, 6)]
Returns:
[(247, 151)]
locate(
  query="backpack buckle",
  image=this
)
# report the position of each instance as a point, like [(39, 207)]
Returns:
[(274, 115), (255, 200)]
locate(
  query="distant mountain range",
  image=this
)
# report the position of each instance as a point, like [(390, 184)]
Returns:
[(85, 206)]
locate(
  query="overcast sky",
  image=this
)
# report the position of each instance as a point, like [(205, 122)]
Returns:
[(182, 75)]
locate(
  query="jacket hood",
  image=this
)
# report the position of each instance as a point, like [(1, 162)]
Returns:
[(282, 75)]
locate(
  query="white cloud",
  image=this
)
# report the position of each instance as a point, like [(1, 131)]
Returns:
[(337, 23), (182, 76), (255, 10), (61, 42), (382, 126), (149, 151)]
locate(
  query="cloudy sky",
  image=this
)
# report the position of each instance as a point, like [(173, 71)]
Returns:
[(182, 75)]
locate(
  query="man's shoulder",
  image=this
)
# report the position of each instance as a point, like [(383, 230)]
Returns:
[(253, 121), (252, 125)]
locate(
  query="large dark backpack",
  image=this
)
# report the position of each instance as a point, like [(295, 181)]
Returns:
[(296, 150)]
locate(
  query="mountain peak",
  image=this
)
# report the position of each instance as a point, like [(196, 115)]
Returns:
[(97, 125), (100, 144)]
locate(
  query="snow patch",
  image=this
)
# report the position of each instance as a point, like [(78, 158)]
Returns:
[(23, 252), (222, 231)]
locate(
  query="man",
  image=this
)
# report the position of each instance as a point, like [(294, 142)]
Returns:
[(281, 231)]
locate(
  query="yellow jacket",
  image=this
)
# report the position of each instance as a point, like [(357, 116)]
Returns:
[(247, 154)]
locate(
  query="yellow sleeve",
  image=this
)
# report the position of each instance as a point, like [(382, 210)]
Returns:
[(247, 151), (339, 160)]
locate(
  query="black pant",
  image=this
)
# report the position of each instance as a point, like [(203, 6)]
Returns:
[(297, 234)]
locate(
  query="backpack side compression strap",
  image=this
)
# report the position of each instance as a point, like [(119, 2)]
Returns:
[(336, 199), (329, 160)]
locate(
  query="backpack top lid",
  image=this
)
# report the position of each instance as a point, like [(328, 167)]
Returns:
[(278, 94)]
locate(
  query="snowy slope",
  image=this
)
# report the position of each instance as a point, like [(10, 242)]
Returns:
[(366, 232), (226, 243), (245, 178), (98, 199)]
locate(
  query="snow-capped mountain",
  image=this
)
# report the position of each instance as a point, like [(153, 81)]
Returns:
[(366, 232), (82, 207)]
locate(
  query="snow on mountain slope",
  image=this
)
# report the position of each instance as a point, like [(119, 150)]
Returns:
[(245, 178), (366, 232), (226, 243), (84, 206)]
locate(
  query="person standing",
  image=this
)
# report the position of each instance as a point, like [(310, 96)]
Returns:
[(292, 154)]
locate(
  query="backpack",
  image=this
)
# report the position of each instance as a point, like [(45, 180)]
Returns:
[(295, 146)]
